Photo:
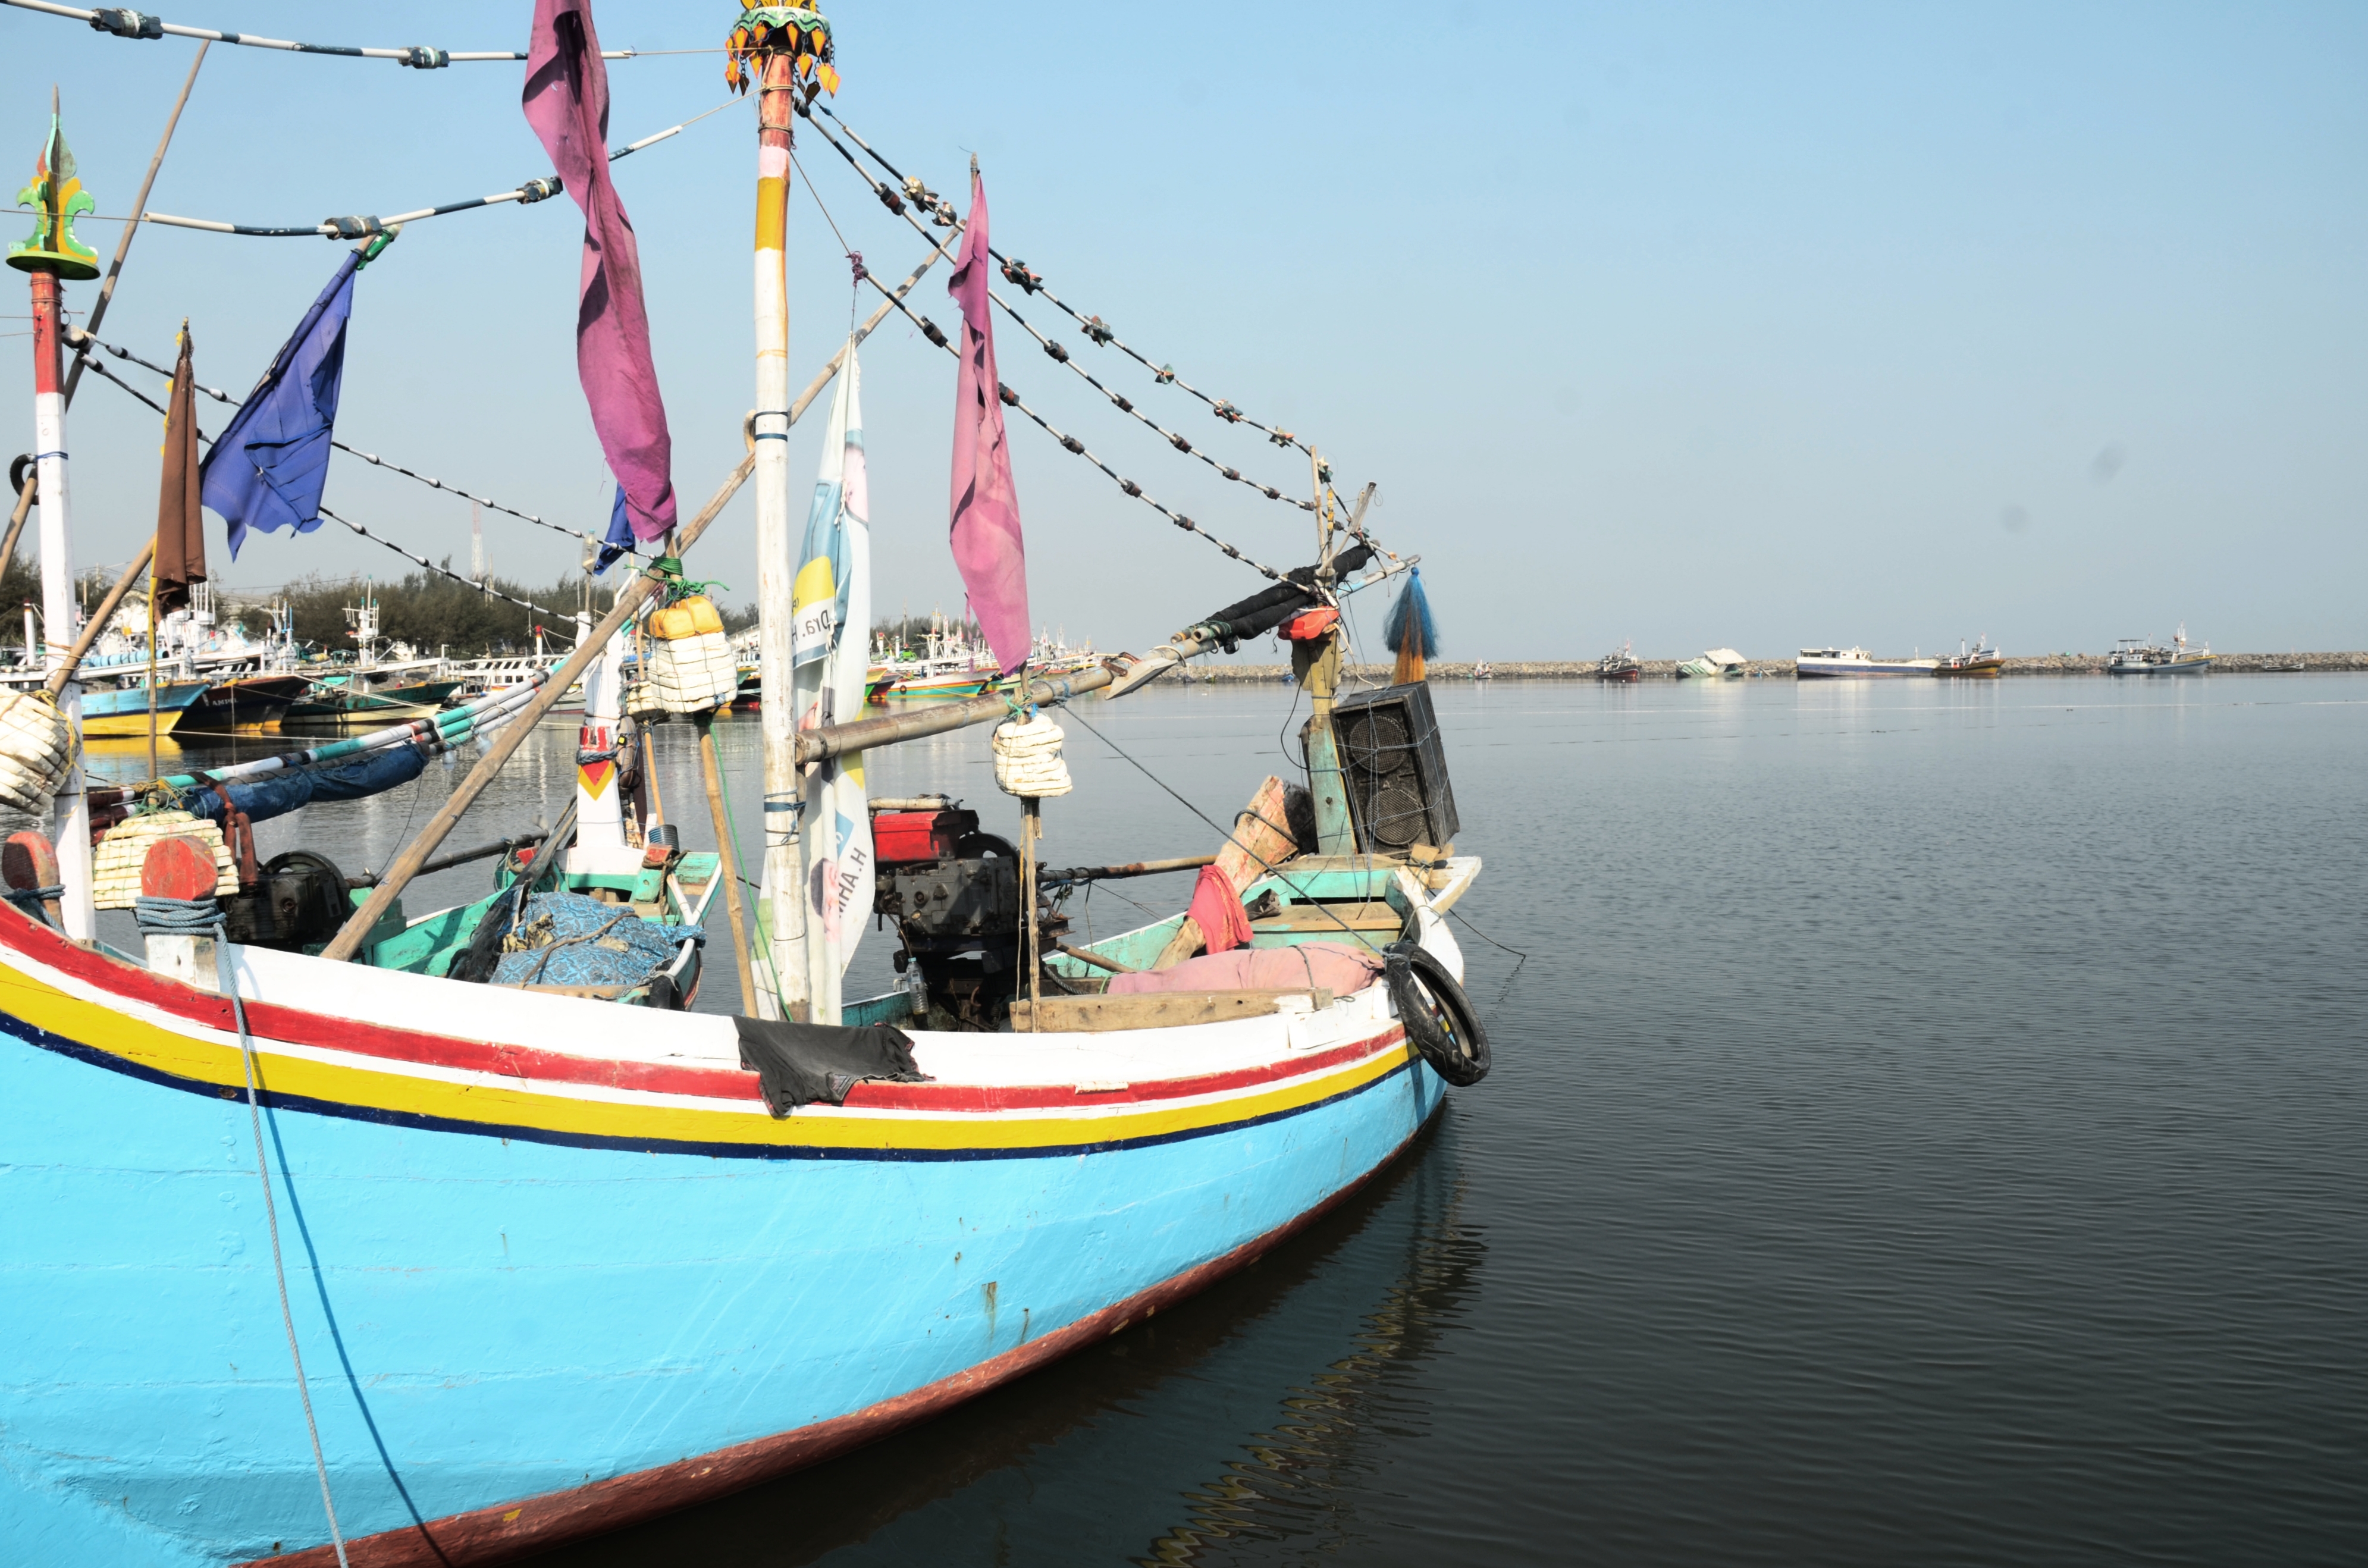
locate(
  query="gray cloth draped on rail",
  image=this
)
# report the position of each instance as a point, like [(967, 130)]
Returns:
[(277, 794), (796, 1063), (1263, 611)]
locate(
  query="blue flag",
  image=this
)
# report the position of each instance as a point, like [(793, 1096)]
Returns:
[(268, 467), (621, 535)]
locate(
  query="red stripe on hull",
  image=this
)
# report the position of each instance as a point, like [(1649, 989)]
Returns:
[(508, 1531), (529, 1066)]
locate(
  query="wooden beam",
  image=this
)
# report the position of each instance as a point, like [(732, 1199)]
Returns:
[(1153, 1009)]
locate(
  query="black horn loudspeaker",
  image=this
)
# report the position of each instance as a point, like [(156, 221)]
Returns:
[(1395, 769)]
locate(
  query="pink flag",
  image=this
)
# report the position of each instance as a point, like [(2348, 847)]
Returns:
[(988, 546), (568, 104)]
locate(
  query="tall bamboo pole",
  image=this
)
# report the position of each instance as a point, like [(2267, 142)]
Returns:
[(629, 603), (727, 863)]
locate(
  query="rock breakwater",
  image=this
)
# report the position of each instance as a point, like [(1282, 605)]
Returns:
[(1667, 669)]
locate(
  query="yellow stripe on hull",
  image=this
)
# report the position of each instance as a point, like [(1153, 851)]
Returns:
[(144, 1044)]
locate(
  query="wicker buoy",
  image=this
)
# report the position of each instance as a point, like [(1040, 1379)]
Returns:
[(36, 749)]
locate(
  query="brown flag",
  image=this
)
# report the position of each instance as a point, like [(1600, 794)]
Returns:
[(180, 522)]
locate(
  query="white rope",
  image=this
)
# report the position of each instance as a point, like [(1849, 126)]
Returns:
[(271, 1215)]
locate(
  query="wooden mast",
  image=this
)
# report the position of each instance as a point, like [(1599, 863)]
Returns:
[(52, 255), (1317, 665), (780, 905)]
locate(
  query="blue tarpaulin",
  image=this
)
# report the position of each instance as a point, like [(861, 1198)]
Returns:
[(582, 941), (277, 794), (268, 467)]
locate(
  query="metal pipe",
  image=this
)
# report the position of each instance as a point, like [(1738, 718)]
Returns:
[(1132, 868), (463, 857)]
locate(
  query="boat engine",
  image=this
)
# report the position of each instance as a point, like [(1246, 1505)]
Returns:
[(953, 892), (296, 900)]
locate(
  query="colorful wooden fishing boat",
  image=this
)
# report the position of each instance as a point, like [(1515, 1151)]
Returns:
[(362, 1236)]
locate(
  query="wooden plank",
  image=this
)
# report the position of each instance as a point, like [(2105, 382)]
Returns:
[(1300, 918), (1152, 1010), (1260, 839)]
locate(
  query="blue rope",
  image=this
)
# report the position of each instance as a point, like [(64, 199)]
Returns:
[(199, 917), (34, 900)]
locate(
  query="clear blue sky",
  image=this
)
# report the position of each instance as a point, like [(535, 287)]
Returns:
[(1696, 324)]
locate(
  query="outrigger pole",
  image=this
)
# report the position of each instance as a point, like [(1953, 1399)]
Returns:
[(630, 602)]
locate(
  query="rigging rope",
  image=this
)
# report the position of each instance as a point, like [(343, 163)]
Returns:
[(84, 342), (936, 335), (1236, 843), (1095, 330), (124, 22), (359, 226), (200, 918), (552, 616)]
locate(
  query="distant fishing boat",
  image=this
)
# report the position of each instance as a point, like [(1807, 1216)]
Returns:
[(2136, 657), (1714, 663), (1849, 662), (1619, 666), (1977, 660)]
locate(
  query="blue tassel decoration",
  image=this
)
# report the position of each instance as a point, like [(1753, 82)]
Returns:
[(1413, 605)]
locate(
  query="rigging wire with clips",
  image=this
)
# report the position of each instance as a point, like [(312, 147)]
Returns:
[(123, 22), (1016, 271), (552, 616), (359, 226)]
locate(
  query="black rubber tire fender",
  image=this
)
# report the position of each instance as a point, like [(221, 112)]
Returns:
[(1438, 1017)]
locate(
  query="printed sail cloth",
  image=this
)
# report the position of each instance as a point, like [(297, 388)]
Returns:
[(566, 101), (830, 644), (987, 540), (270, 464)]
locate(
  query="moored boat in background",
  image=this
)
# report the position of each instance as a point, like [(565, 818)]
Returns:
[(1977, 660), (1714, 663), (1621, 665), (2136, 657), (1855, 663)]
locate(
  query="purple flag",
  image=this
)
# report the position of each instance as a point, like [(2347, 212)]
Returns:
[(988, 546), (568, 104)]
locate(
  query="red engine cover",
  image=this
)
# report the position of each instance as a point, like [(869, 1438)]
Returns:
[(901, 838)]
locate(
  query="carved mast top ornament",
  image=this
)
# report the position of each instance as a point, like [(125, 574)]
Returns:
[(800, 32), (58, 198)]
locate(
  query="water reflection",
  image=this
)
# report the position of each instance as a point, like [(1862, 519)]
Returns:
[(1234, 1417)]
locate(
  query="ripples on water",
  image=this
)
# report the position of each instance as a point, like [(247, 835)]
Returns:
[(1928, 1127)]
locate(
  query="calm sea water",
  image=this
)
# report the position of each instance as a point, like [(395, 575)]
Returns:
[(1926, 1126)]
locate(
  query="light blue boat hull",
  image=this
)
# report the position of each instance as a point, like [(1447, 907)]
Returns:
[(487, 1320)]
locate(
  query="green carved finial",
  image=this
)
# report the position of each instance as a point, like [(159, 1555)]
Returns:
[(58, 199), (799, 31)]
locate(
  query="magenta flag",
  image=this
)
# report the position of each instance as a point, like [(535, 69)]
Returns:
[(988, 546), (567, 103)]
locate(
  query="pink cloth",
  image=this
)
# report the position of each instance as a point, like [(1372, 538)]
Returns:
[(1216, 908), (1331, 966), (567, 103), (988, 545)]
